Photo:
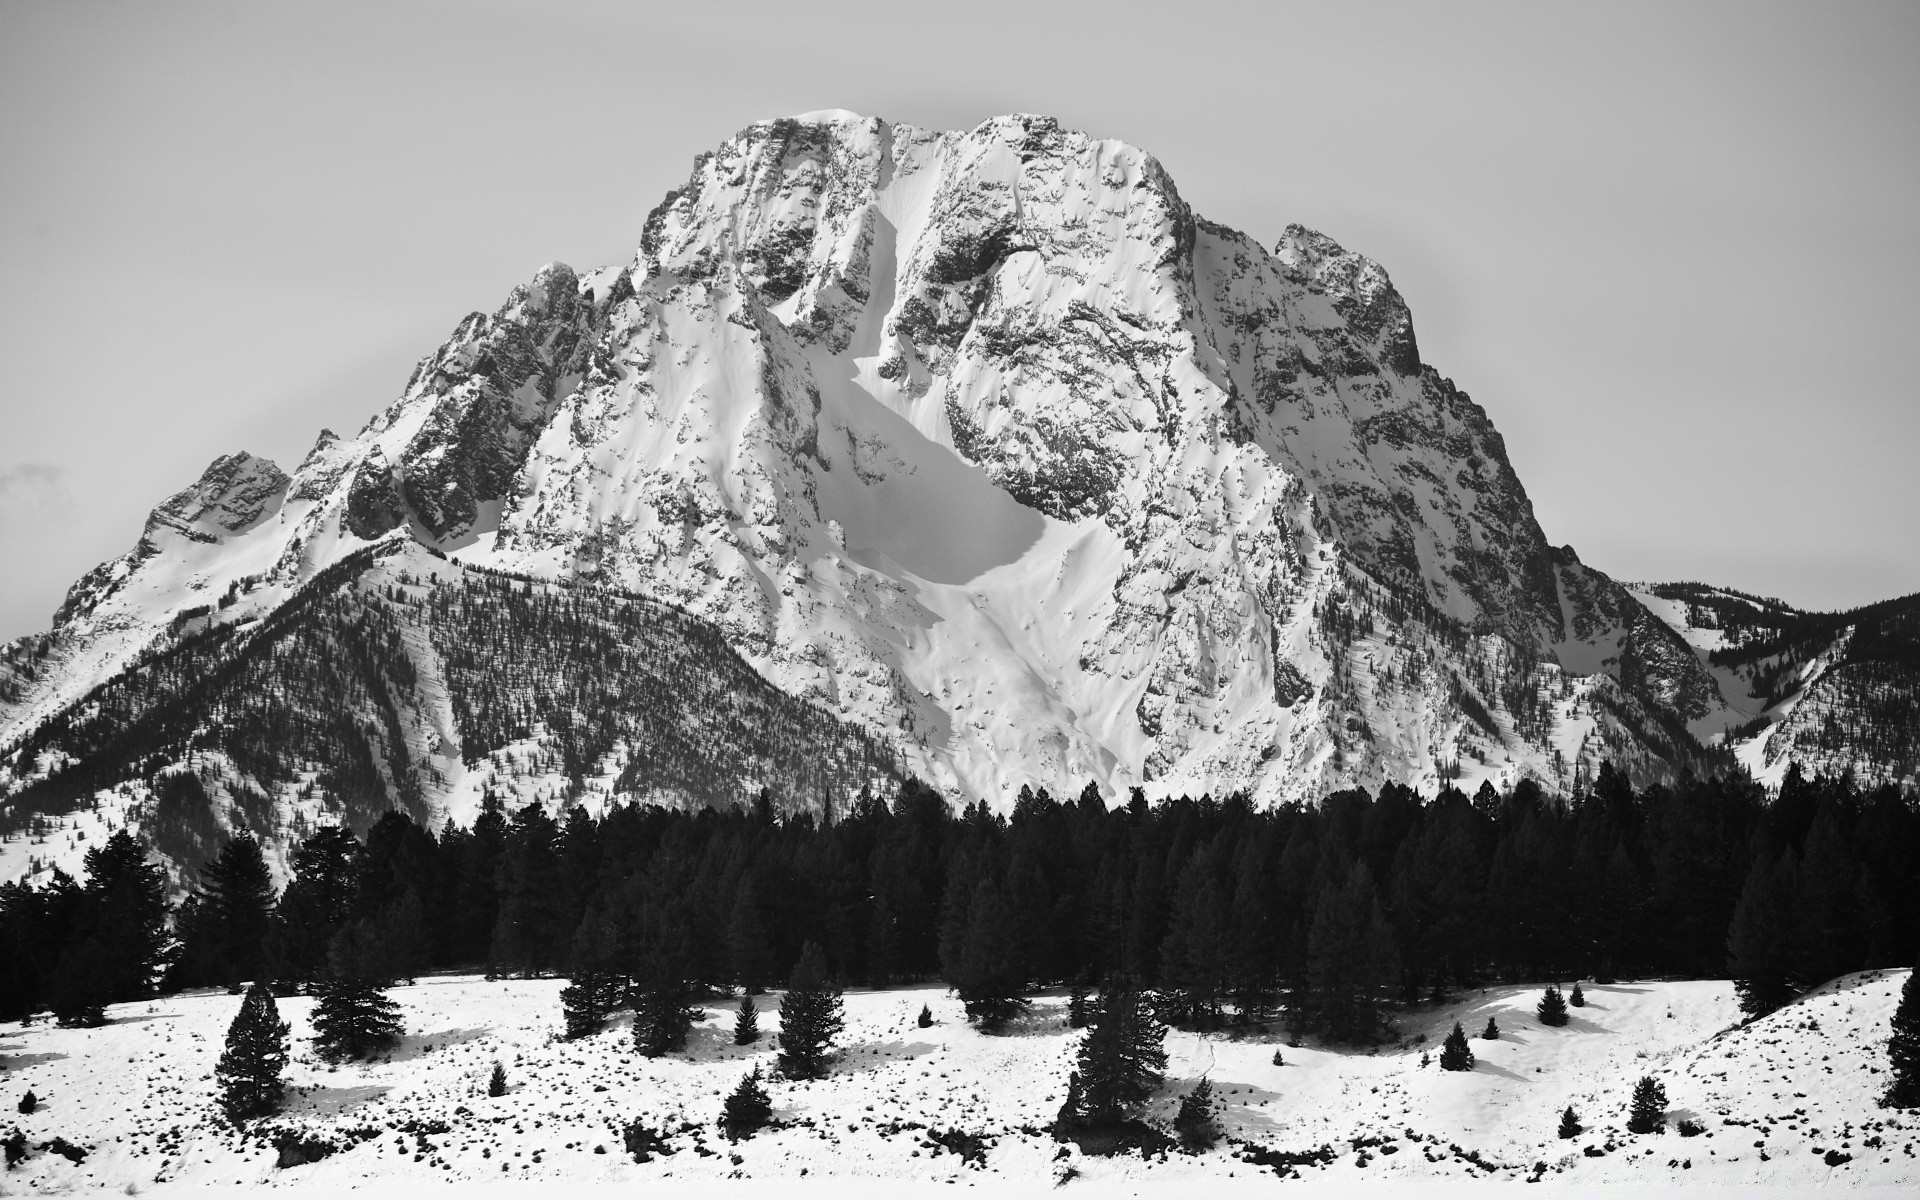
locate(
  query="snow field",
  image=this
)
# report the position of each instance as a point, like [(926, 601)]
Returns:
[(137, 1094)]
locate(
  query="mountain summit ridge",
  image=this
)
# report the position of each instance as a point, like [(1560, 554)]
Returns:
[(987, 444)]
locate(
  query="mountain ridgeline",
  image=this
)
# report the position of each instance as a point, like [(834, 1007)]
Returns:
[(977, 458)]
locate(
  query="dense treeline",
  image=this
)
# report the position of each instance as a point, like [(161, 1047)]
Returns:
[(1331, 915)]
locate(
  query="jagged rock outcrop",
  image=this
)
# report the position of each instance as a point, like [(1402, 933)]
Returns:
[(985, 444)]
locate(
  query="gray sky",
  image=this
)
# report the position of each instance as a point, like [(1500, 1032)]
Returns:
[(1670, 248)]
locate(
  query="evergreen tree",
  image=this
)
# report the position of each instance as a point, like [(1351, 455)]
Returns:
[(317, 902), (1196, 1122), (1570, 1126), (1073, 1109), (224, 939), (1903, 1048), (1196, 959), (926, 1017), (1078, 1006), (497, 1082), (1578, 999), (1351, 959), (527, 930), (126, 907), (747, 1109), (29, 1103), (748, 954), (1492, 1032), (1648, 1113), (1760, 938), (80, 987), (1122, 1060), (594, 988), (353, 1019), (249, 1071), (989, 977), (1553, 1006), (663, 1008), (810, 1017), (477, 892), (1456, 1055), (746, 1026)]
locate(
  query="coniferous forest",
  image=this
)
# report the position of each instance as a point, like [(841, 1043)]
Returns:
[(1329, 917)]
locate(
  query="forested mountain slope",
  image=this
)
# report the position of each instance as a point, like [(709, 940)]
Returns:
[(397, 679)]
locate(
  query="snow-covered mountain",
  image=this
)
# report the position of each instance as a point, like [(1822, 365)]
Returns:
[(984, 443), (1833, 692)]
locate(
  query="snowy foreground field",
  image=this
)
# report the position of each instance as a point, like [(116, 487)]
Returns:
[(1778, 1099)]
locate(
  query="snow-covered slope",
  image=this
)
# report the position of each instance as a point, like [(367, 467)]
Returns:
[(1773, 1098), (1833, 692), (988, 444)]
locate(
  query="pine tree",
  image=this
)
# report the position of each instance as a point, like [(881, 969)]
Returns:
[(748, 955), (497, 1082), (594, 988), (1760, 937), (29, 1103), (1122, 1059), (226, 941), (126, 905), (925, 1019), (1492, 1032), (1196, 958), (989, 976), (1078, 1005), (477, 890), (1351, 958), (1456, 1055), (249, 1071), (663, 1008), (1570, 1126), (1903, 1048), (1553, 1006), (353, 1019), (746, 1027), (747, 1109), (1648, 1113), (81, 986), (1196, 1122), (1073, 1109), (809, 1017), (317, 902), (1578, 999), (531, 891)]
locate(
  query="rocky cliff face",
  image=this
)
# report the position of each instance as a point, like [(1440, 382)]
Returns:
[(989, 446)]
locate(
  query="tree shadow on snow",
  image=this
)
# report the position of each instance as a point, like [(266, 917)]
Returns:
[(870, 1055), (1236, 1103), (142, 1019), (13, 1062), (416, 1045), (1579, 1024), (1482, 1066), (330, 1101)]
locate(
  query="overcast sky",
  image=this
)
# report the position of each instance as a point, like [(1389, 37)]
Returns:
[(1670, 248)]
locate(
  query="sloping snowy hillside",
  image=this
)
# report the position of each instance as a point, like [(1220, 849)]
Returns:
[(1788, 1100)]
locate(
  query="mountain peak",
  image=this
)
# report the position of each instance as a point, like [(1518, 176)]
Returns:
[(231, 496), (986, 445)]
